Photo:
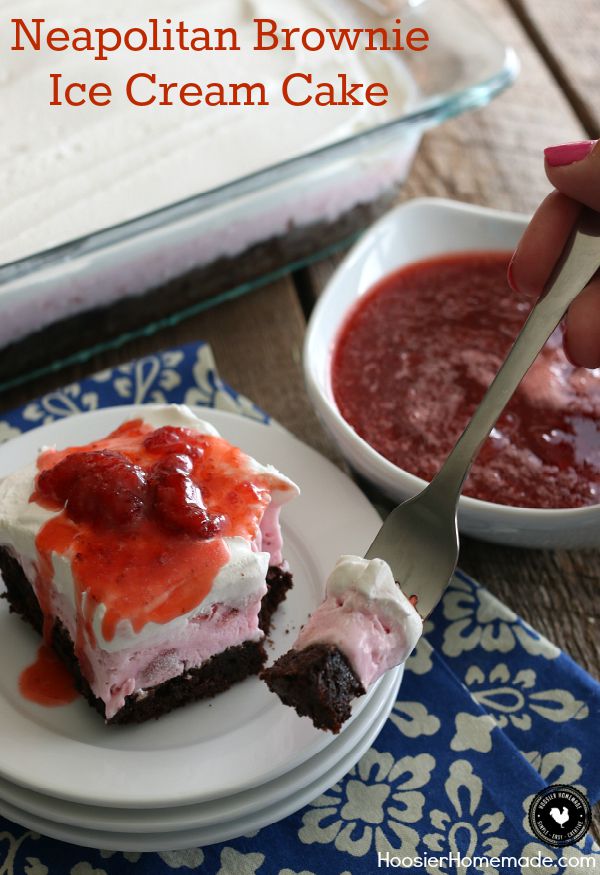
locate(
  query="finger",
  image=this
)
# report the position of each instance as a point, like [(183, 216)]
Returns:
[(582, 335), (576, 172), (542, 243)]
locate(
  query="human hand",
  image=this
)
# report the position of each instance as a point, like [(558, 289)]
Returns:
[(574, 171)]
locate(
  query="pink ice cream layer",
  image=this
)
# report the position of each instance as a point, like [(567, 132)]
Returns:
[(115, 675), (269, 538), (118, 674), (370, 644)]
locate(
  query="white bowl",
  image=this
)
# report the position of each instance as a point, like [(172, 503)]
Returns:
[(416, 230)]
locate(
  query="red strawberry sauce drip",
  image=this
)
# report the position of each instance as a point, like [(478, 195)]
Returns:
[(47, 681), (185, 492)]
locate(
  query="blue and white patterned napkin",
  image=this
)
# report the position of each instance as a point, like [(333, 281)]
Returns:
[(489, 713)]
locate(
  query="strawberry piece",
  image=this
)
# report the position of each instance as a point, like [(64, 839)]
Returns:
[(100, 488), (177, 501), (172, 440)]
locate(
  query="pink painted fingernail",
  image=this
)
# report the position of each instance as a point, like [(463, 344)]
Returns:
[(568, 153)]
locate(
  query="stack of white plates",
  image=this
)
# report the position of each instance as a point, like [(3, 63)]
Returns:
[(140, 813), (213, 770)]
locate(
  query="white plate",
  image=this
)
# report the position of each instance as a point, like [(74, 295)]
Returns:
[(207, 750), (416, 230), (222, 811), (253, 819)]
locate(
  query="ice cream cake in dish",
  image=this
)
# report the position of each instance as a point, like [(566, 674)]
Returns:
[(97, 168), (150, 559), (157, 206), (365, 626)]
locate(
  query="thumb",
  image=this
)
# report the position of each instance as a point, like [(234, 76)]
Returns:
[(574, 169)]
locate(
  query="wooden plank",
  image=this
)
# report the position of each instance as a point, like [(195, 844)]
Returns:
[(567, 37), (493, 156)]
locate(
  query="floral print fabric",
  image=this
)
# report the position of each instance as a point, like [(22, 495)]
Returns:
[(489, 712)]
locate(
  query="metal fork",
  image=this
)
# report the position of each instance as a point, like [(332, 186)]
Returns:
[(419, 539)]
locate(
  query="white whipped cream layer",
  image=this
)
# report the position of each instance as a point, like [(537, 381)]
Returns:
[(158, 651), (68, 171), (366, 616)]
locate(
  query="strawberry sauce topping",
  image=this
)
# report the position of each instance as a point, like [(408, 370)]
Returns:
[(47, 681), (141, 515), (415, 357), (100, 488)]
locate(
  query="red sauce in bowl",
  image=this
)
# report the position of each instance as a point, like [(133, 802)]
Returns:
[(415, 357)]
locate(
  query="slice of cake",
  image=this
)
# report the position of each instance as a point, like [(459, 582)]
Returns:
[(364, 627), (151, 560)]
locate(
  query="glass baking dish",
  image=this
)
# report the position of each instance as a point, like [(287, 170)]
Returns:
[(131, 277)]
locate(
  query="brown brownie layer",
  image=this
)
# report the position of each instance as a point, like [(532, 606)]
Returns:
[(215, 676), (102, 324), (279, 582), (318, 682)]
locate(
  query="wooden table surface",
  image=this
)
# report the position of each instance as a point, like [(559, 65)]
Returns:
[(491, 157)]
